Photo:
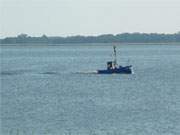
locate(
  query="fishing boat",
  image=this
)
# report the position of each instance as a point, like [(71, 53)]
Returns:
[(113, 68)]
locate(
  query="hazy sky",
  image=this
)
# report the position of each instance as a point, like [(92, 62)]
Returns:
[(88, 17)]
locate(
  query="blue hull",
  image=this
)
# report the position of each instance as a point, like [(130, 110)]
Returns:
[(120, 70)]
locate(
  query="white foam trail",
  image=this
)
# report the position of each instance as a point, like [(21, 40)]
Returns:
[(87, 72), (132, 70)]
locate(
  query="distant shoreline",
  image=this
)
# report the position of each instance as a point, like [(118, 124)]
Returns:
[(84, 44), (124, 38)]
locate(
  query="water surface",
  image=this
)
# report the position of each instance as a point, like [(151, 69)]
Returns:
[(42, 91)]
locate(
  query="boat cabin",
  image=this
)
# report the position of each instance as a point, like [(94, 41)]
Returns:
[(111, 65)]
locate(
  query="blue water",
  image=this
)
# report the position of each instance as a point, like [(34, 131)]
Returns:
[(49, 90)]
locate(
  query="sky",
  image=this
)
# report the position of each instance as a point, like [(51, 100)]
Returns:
[(88, 17)]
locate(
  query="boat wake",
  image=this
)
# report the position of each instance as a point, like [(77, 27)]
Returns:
[(86, 72)]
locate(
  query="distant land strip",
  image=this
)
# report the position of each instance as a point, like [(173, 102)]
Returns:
[(106, 38)]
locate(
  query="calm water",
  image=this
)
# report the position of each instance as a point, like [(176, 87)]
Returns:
[(43, 93)]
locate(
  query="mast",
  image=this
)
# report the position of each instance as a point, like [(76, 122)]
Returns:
[(115, 59)]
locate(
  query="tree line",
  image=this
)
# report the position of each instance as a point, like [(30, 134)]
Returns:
[(106, 38)]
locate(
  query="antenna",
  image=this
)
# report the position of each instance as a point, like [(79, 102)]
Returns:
[(115, 59), (128, 61)]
